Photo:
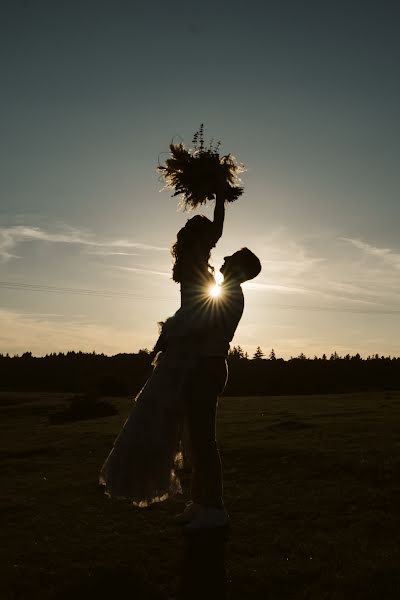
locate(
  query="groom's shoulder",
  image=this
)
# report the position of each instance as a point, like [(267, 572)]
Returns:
[(233, 288), (232, 296)]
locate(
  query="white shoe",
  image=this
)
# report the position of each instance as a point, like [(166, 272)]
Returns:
[(190, 512), (209, 518)]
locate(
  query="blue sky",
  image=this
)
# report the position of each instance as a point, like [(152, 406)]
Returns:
[(306, 95)]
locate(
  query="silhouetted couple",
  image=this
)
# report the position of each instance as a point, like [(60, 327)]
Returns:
[(175, 412)]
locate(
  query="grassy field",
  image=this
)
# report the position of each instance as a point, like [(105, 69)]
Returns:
[(311, 483)]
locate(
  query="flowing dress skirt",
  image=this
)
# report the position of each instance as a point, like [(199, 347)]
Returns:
[(141, 466)]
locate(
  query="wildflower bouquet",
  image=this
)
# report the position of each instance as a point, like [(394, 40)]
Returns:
[(198, 173)]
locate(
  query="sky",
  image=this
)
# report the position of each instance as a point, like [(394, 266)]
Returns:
[(305, 94)]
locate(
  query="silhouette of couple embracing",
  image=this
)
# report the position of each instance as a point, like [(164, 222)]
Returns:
[(174, 415)]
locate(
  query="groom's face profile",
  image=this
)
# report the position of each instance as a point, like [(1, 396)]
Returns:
[(241, 266), (231, 264)]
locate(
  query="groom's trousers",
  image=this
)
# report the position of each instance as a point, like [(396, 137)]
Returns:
[(207, 381)]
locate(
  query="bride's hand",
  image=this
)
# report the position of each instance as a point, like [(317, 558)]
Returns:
[(220, 194)]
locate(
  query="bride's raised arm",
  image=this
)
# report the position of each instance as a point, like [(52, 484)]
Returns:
[(219, 216)]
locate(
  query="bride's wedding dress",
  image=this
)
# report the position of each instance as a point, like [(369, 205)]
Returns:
[(142, 464)]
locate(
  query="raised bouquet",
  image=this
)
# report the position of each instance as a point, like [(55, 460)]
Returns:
[(196, 174)]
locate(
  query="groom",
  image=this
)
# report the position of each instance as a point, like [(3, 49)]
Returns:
[(214, 329)]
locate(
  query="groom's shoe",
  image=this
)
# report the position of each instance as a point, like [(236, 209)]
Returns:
[(208, 517), (190, 512)]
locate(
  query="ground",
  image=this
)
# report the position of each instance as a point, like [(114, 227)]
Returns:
[(311, 484)]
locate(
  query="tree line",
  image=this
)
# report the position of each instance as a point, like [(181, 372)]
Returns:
[(260, 374)]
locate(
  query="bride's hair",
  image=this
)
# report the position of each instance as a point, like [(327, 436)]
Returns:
[(191, 251)]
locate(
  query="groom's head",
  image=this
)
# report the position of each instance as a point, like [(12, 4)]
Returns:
[(241, 266)]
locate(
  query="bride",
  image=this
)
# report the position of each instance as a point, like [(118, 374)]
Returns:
[(142, 464)]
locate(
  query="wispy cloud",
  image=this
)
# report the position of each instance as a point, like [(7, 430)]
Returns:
[(111, 253), (12, 236), (143, 270), (336, 292), (289, 289), (386, 254)]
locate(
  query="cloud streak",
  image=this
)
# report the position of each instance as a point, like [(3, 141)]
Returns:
[(12, 236), (385, 254), (288, 289), (111, 253), (142, 270)]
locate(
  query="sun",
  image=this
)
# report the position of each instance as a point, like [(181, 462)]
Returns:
[(215, 290)]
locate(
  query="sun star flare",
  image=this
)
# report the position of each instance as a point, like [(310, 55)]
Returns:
[(215, 290)]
